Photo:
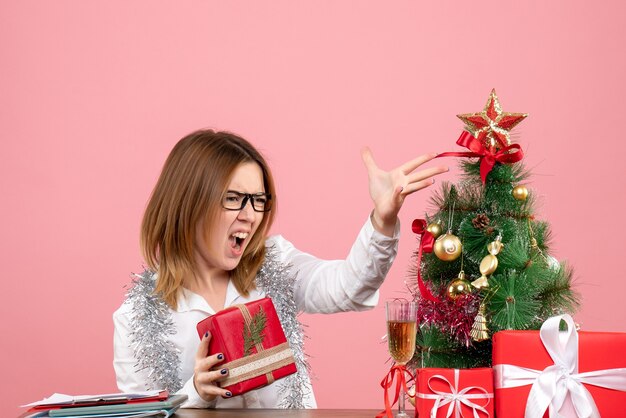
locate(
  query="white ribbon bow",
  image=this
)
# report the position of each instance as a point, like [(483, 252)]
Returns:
[(551, 386), (455, 397)]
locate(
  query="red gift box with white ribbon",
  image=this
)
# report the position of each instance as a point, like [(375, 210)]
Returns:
[(454, 393), (256, 352), (552, 373)]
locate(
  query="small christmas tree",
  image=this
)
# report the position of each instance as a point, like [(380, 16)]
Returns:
[(483, 260)]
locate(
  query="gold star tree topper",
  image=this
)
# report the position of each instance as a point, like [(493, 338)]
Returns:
[(492, 126)]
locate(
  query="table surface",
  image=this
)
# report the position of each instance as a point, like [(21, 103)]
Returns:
[(267, 413)]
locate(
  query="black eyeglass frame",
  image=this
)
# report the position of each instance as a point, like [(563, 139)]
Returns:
[(251, 197)]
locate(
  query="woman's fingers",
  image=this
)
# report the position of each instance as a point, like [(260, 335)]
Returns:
[(210, 362), (406, 168), (368, 159), (427, 173), (206, 384), (203, 348), (409, 166), (203, 360), (414, 187), (205, 377), (389, 188), (211, 377)]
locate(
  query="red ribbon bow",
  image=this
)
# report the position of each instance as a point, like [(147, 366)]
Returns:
[(387, 383), (508, 155), (427, 242)]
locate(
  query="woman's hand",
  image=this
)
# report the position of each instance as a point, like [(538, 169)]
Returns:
[(388, 189), (204, 377)]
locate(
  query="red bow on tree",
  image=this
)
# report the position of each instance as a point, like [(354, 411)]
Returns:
[(488, 157), (427, 241)]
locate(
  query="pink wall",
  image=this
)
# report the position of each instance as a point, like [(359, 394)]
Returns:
[(94, 94)]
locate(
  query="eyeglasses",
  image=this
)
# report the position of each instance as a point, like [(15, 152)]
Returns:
[(261, 202)]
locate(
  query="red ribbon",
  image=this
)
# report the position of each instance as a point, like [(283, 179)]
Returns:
[(508, 155), (427, 242), (387, 383)]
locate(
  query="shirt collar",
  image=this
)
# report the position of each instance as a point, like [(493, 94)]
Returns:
[(190, 301)]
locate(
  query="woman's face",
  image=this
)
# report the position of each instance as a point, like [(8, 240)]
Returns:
[(222, 247)]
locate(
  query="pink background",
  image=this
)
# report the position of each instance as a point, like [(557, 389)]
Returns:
[(93, 95)]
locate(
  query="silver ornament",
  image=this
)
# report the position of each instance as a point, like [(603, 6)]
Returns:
[(276, 280)]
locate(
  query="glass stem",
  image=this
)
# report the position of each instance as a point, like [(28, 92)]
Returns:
[(401, 412), (401, 399)]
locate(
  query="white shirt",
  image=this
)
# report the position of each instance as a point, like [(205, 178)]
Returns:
[(321, 286)]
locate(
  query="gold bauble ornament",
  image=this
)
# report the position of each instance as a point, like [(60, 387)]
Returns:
[(520, 192), (448, 247), (459, 286), (435, 229)]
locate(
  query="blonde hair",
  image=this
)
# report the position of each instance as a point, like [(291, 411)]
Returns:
[(190, 189)]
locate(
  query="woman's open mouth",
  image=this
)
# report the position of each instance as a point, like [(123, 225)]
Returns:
[(237, 239)]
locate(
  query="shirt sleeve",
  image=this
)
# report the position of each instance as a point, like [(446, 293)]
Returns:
[(128, 379), (131, 380), (327, 286)]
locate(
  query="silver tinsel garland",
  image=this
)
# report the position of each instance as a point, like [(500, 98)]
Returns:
[(152, 323), (277, 281)]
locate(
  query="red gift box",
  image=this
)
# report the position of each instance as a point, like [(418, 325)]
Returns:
[(454, 392), (256, 352), (571, 365)]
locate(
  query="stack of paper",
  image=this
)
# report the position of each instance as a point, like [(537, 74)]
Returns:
[(141, 404)]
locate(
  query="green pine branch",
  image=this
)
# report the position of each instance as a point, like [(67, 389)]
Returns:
[(435, 349), (557, 295), (254, 334), (513, 304)]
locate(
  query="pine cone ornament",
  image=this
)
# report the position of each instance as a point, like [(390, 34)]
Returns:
[(481, 221)]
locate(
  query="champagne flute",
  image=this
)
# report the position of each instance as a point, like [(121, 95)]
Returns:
[(401, 330)]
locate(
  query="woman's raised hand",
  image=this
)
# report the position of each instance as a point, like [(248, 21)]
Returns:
[(205, 378), (388, 189)]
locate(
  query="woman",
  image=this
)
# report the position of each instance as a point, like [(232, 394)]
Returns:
[(204, 239)]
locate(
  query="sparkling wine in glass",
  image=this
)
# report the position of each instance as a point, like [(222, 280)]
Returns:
[(401, 330)]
